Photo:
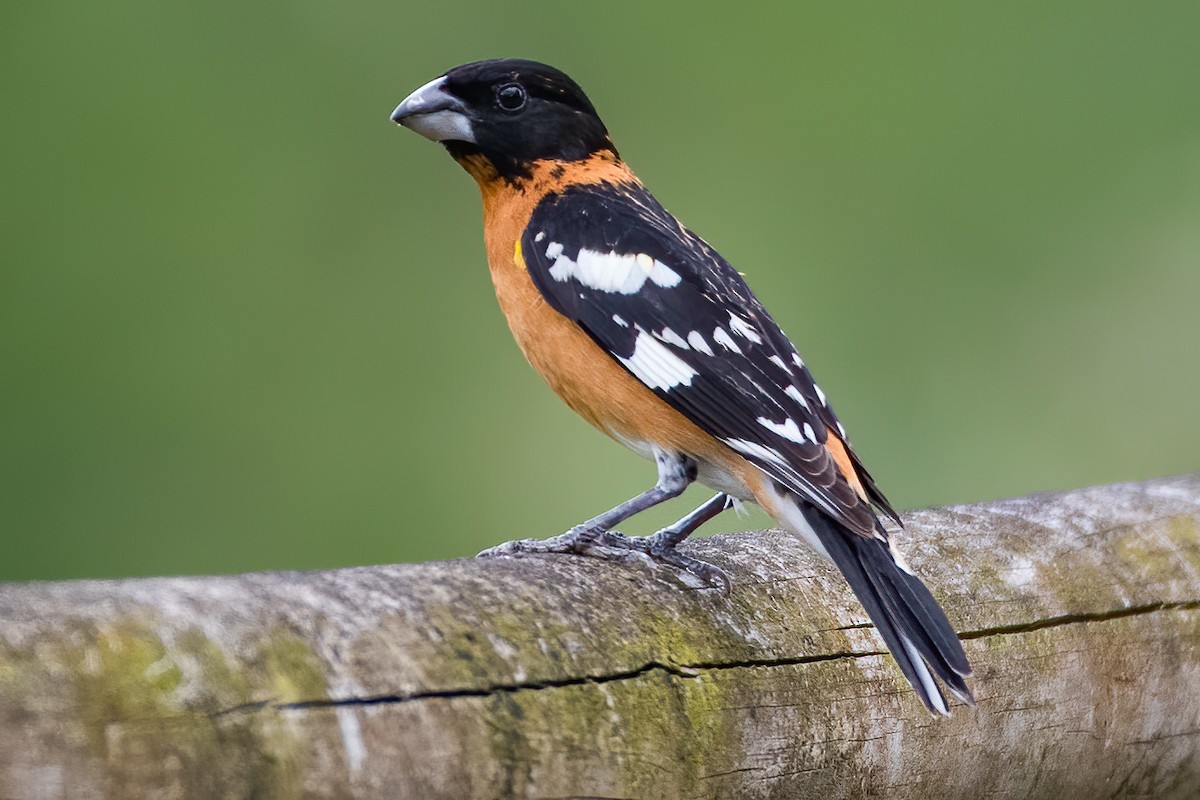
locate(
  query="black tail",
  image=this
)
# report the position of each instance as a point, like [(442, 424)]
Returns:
[(911, 622)]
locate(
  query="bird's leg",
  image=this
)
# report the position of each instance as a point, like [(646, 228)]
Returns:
[(669, 537), (596, 537), (662, 546), (675, 473)]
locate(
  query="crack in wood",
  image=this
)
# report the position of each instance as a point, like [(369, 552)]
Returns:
[(1072, 619), (691, 671)]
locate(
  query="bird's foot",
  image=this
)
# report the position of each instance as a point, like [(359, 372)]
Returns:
[(662, 550), (616, 546), (580, 540)]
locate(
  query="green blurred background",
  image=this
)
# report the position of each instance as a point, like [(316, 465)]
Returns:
[(246, 323)]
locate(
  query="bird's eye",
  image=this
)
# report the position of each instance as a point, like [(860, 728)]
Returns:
[(511, 96)]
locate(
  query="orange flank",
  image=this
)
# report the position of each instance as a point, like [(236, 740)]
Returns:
[(837, 448), (591, 381)]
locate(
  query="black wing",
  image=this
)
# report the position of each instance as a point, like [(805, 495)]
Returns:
[(681, 319)]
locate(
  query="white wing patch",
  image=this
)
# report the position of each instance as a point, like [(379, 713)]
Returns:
[(725, 340), (698, 343), (655, 365), (788, 429), (794, 393), (671, 337), (743, 328), (748, 448), (610, 272)]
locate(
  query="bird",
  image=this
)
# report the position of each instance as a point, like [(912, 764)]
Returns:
[(650, 335)]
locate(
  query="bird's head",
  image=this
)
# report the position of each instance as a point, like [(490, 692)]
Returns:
[(509, 111)]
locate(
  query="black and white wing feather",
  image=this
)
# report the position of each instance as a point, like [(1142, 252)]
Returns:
[(678, 317)]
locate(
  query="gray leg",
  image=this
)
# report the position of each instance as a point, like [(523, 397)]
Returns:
[(662, 546), (675, 533), (675, 473), (596, 537)]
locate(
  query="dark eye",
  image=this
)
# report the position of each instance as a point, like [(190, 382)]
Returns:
[(511, 96)]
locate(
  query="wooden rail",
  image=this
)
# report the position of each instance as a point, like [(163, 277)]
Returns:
[(553, 677)]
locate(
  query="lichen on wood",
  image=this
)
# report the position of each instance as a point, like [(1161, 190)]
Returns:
[(560, 676)]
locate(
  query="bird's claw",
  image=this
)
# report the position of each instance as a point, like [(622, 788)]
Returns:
[(710, 575), (578, 540), (614, 545)]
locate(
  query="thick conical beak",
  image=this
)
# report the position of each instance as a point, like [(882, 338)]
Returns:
[(435, 114)]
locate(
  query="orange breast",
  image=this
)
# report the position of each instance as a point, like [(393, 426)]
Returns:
[(577, 369)]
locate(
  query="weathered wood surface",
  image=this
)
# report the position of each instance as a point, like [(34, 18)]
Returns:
[(553, 677)]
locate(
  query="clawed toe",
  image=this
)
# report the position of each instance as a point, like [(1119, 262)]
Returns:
[(580, 540), (710, 574), (504, 549), (658, 549)]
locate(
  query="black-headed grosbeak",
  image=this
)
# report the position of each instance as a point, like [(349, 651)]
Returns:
[(652, 337)]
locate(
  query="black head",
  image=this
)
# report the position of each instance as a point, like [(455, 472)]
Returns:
[(509, 110)]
